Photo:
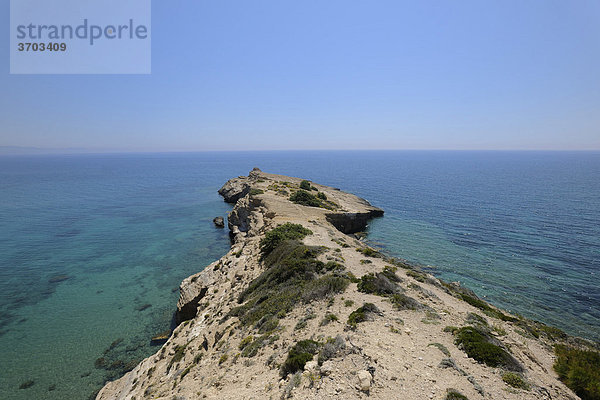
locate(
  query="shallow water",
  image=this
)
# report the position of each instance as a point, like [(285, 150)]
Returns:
[(88, 242)]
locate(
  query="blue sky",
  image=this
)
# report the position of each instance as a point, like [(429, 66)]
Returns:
[(245, 75)]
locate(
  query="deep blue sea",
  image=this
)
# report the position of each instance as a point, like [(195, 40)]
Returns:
[(93, 247)]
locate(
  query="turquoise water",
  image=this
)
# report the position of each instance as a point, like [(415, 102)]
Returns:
[(88, 242)]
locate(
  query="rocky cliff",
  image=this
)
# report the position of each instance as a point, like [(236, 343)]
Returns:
[(298, 308)]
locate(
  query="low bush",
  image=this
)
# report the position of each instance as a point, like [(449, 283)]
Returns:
[(362, 314), (476, 319), (441, 347), (403, 302), (305, 185), (322, 196), (287, 231), (298, 356), (481, 347), (331, 348), (419, 276), (254, 191), (304, 198), (293, 273), (378, 284), (369, 252), (579, 370), (515, 380), (453, 394)]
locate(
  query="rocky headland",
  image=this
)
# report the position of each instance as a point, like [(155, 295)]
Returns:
[(301, 308)]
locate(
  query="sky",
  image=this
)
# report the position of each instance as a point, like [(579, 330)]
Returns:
[(275, 75)]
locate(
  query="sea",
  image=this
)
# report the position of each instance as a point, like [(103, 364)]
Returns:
[(93, 247)]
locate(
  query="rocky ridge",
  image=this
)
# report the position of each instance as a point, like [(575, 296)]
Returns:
[(380, 328)]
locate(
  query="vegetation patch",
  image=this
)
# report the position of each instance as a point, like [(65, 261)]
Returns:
[(254, 191), (179, 353), (275, 237), (377, 284), (305, 185), (292, 273), (298, 356), (329, 317), (305, 198), (454, 394), (362, 314), (369, 252), (486, 308), (441, 348), (419, 276), (579, 370), (481, 347), (553, 333), (515, 380), (402, 302), (331, 348), (476, 319)]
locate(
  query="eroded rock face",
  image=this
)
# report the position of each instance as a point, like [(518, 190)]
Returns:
[(352, 222), (235, 189)]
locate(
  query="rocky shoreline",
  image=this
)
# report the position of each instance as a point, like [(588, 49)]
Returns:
[(300, 308)]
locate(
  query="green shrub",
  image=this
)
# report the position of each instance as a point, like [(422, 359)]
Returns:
[(331, 348), (305, 185), (403, 302), (378, 284), (369, 252), (553, 333), (293, 273), (322, 196), (476, 319), (304, 198), (348, 303), (362, 314), (579, 370), (287, 231), (329, 317), (451, 329), (254, 191), (419, 276), (441, 347), (323, 287), (515, 380), (298, 356), (334, 266), (478, 345), (453, 394), (486, 308), (245, 342)]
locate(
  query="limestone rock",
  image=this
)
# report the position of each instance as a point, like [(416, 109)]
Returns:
[(327, 368), (235, 189), (364, 380), (311, 366)]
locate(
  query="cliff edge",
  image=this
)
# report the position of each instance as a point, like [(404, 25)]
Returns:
[(300, 308)]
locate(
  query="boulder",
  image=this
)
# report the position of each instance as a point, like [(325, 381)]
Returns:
[(219, 222), (364, 380)]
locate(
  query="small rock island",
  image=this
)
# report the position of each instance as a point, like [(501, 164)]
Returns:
[(301, 308)]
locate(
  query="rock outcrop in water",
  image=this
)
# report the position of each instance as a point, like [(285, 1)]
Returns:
[(299, 309)]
